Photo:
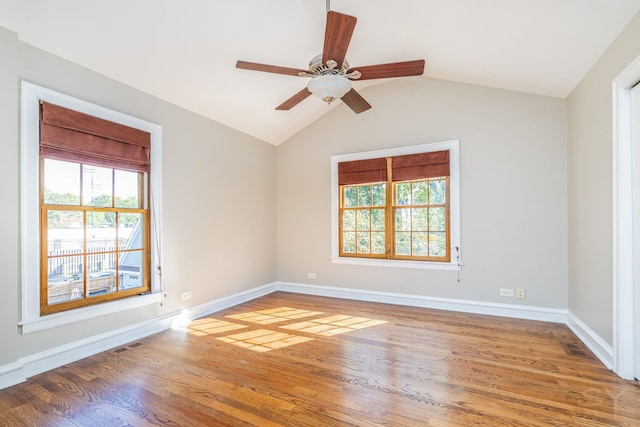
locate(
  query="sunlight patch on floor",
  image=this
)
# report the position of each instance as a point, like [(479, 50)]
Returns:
[(263, 340), (333, 325), (208, 326), (274, 315)]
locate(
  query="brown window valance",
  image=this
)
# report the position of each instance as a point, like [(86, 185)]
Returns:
[(403, 168), (73, 136), (362, 171), (420, 166)]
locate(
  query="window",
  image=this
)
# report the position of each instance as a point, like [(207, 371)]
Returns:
[(90, 217), (95, 230), (94, 219), (397, 207)]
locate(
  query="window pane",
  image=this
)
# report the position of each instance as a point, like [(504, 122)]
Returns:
[(377, 219), (403, 219), (403, 243), (420, 193), (348, 220), (130, 234), (130, 270), (61, 183), (102, 275), (65, 233), (97, 185), (126, 189), (379, 195), (364, 217), (350, 197), (377, 243), (65, 279), (101, 235), (349, 242), (419, 244), (438, 244), (437, 219), (419, 219), (364, 195), (437, 193), (364, 242), (403, 194)]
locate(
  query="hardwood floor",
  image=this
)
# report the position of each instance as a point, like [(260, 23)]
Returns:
[(296, 360)]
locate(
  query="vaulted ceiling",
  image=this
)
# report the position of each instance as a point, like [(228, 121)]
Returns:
[(185, 51)]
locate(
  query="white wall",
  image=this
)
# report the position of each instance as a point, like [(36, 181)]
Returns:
[(218, 199), (513, 189), (590, 185)]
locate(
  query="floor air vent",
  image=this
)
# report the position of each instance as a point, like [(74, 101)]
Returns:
[(573, 349), (121, 349)]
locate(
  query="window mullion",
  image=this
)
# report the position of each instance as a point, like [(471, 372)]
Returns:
[(85, 259), (389, 214)]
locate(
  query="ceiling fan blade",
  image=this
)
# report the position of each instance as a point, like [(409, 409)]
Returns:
[(294, 100), (355, 101), (337, 36), (395, 69), (269, 68)]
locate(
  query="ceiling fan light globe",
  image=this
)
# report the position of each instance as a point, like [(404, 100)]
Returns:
[(329, 87)]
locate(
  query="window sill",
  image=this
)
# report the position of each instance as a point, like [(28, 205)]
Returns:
[(78, 315), (394, 263)]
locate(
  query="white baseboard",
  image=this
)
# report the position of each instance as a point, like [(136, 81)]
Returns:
[(220, 304), (597, 345), (11, 374), (34, 364), (43, 361), (465, 306)]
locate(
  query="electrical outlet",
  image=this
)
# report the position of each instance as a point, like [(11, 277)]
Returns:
[(311, 275), (185, 295), (520, 293), (506, 292)]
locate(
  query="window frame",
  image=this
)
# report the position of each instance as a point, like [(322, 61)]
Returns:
[(31, 319), (47, 308), (454, 208)]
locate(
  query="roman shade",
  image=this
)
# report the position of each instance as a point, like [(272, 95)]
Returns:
[(362, 171), (73, 136), (420, 166), (403, 168)]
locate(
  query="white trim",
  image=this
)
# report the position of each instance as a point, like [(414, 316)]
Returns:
[(210, 307), (11, 374), (31, 320), (37, 363), (623, 251), (25, 367), (593, 341), (597, 345), (84, 313), (454, 204), (395, 263), (449, 304)]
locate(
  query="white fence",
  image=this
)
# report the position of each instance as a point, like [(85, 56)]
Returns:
[(69, 262)]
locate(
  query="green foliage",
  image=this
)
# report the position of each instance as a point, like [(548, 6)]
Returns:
[(67, 199), (74, 219), (364, 195), (350, 196)]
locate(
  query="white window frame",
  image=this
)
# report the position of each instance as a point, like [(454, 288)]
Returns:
[(31, 320), (454, 206)]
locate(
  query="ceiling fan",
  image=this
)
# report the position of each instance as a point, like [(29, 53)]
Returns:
[(331, 73)]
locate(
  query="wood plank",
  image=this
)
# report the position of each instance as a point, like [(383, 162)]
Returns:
[(393, 365)]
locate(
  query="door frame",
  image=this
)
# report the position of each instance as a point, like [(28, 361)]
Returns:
[(623, 345)]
